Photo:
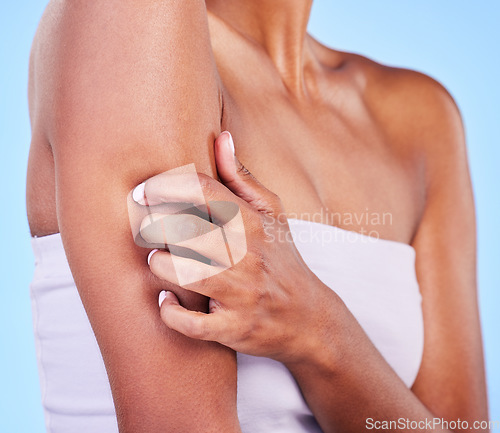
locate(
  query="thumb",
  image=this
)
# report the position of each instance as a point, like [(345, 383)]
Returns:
[(239, 180)]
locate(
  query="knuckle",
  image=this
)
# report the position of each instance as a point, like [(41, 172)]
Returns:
[(214, 305), (246, 332), (213, 288), (268, 220), (242, 170), (259, 260), (207, 285), (206, 182), (250, 329), (190, 226), (256, 223), (275, 201)]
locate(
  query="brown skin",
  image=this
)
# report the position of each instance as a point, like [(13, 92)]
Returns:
[(318, 127)]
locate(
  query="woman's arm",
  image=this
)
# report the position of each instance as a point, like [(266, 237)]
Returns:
[(124, 90), (451, 382)]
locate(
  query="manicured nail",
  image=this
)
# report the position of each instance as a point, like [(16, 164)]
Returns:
[(138, 194), (151, 254), (230, 142), (161, 298)]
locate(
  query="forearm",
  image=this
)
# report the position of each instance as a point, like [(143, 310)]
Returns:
[(346, 381)]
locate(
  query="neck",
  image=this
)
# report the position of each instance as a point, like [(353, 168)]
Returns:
[(279, 26)]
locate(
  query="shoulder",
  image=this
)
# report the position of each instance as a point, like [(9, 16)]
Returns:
[(414, 111), (413, 106), (113, 78), (410, 106), (423, 122)]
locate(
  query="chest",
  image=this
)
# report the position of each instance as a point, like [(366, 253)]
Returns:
[(329, 166)]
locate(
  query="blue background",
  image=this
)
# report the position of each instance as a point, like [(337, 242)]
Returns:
[(455, 42)]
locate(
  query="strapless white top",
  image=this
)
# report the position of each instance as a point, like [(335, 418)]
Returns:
[(375, 278)]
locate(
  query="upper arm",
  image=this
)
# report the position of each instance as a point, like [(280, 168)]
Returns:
[(451, 379), (127, 90)]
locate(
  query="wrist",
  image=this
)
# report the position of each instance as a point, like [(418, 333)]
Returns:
[(319, 345)]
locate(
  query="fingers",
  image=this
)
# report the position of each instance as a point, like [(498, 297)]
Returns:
[(188, 232), (184, 270), (224, 246), (184, 185), (239, 180), (193, 324), (159, 228), (177, 185)]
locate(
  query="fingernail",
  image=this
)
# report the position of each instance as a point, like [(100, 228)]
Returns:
[(230, 142), (151, 254), (138, 194), (161, 298)]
